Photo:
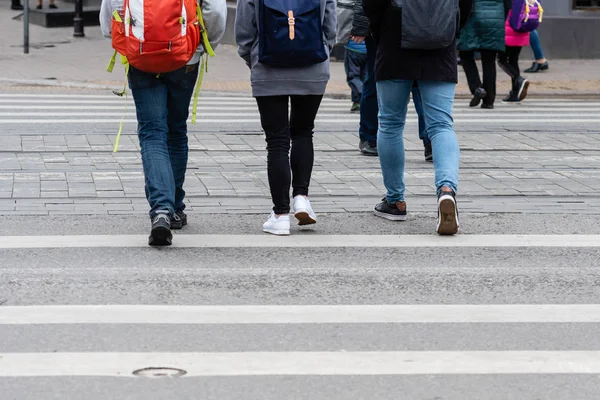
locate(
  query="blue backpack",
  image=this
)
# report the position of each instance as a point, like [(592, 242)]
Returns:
[(290, 33)]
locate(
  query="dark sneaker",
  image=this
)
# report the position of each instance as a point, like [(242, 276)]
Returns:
[(179, 220), (428, 153), (53, 6), (16, 7), (161, 231), (447, 214), (537, 67), (511, 98), (355, 107), (368, 147), (479, 95), (487, 106), (523, 86), (393, 212)]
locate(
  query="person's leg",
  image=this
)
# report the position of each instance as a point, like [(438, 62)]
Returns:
[(505, 63), (302, 123), (416, 96), (488, 61), (540, 63), (150, 96), (513, 60), (393, 97), (520, 84), (274, 120), (353, 75), (180, 86), (368, 101), (438, 101), (470, 67), (536, 46)]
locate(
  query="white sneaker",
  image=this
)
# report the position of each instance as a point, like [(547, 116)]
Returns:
[(303, 211), (447, 214), (277, 226)]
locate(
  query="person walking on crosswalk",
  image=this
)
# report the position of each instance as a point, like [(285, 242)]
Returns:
[(483, 33), (287, 67), (162, 95), (413, 48)]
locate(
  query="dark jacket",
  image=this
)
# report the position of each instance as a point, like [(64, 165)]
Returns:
[(360, 22), (484, 30), (394, 62)]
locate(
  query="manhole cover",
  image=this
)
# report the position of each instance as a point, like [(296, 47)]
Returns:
[(159, 372)]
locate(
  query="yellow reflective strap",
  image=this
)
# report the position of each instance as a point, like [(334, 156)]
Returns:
[(205, 41), (124, 92), (111, 63), (197, 91), (117, 16)]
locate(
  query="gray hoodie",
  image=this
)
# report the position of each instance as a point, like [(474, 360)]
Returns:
[(271, 81), (214, 13)]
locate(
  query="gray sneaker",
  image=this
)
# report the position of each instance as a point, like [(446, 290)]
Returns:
[(160, 235), (368, 147), (179, 220)]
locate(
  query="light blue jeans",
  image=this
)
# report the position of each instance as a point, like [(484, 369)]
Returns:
[(437, 99)]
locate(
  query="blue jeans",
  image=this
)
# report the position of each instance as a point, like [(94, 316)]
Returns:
[(162, 106), (536, 45), (368, 100), (437, 100), (355, 66), (419, 108)]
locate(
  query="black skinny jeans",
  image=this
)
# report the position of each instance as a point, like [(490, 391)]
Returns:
[(509, 62), (488, 62), (279, 129)]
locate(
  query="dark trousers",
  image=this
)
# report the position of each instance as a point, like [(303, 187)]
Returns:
[(355, 65), (368, 102), (509, 62), (488, 62), (279, 129)]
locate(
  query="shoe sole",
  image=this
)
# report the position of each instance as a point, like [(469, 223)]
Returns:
[(390, 217), (523, 91), (304, 218), (160, 236), (368, 154), (277, 232), (448, 221)]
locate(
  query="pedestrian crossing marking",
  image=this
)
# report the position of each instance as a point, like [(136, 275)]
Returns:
[(300, 314), (28, 111), (303, 241), (302, 363)]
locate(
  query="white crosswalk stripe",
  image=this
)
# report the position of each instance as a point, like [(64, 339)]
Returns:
[(29, 110), (265, 362)]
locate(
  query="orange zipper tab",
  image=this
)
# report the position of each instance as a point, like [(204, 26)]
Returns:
[(291, 22)]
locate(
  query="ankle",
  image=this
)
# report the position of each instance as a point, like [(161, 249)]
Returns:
[(543, 60)]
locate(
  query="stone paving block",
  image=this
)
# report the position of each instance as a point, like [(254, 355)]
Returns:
[(110, 193)]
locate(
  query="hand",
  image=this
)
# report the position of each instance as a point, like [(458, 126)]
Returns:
[(358, 39)]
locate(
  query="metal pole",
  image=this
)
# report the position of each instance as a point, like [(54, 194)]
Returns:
[(26, 27), (78, 20)]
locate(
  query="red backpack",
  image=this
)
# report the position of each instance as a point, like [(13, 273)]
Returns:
[(158, 35)]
